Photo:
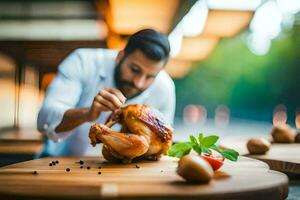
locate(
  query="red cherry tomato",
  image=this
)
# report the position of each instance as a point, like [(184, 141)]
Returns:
[(215, 160)]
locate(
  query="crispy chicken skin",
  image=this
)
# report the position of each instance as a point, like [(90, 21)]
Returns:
[(144, 134)]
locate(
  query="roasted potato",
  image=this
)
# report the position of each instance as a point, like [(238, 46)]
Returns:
[(258, 145), (283, 134), (193, 168)]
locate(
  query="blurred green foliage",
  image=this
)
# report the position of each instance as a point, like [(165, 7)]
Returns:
[(250, 85)]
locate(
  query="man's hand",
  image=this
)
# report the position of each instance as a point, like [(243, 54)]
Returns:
[(108, 99)]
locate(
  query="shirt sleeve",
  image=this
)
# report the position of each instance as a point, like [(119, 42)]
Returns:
[(62, 94)]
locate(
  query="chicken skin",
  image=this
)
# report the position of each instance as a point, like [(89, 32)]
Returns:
[(143, 135)]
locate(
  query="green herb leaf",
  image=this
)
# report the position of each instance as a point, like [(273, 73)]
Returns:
[(209, 141), (198, 149), (193, 140), (216, 148), (203, 145), (180, 149), (230, 154), (200, 137), (206, 150), (196, 146)]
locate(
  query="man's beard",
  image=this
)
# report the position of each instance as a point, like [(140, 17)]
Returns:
[(121, 84)]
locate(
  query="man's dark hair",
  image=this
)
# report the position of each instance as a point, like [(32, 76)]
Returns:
[(153, 44)]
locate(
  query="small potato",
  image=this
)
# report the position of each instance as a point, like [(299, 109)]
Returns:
[(193, 168), (258, 145), (283, 134)]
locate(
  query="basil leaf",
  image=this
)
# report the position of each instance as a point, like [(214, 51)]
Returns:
[(203, 145), (216, 148), (180, 149), (200, 137), (230, 154), (198, 149), (193, 140), (206, 150), (209, 141), (195, 144)]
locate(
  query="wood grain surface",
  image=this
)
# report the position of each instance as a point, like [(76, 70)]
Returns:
[(247, 179), (20, 142), (280, 157)]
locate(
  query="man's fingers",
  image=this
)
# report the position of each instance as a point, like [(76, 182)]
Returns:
[(111, 98), (96, 109), (105, 102), (118, 93), (99, 107)]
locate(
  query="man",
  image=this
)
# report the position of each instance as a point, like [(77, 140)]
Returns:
[(93, 82)]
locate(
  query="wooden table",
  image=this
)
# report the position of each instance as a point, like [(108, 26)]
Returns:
[(19, 145), (20, 141), (245, 179), (280, 157)]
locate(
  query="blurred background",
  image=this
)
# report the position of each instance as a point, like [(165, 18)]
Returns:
[(235, 63)]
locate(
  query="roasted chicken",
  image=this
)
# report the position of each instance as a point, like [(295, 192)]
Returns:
[(143, 135)]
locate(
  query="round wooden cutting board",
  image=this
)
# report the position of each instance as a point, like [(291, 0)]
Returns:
[(280, 157), (245, 179)]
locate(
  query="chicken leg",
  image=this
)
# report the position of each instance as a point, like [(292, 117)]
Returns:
[(126, 145)]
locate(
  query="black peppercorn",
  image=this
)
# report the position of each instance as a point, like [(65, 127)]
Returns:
[(81, 162), (81, 167), (99, 167), (50, 164), (68, 169), (56, 162), (137, 166), (88, 167), (34, 172), (99, 173)]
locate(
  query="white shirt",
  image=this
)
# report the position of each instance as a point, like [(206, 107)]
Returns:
[(80, 77)]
